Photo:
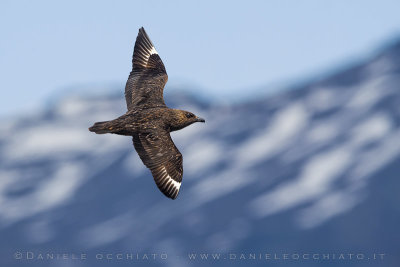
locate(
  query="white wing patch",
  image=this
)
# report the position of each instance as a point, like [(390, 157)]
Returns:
[(150, 52), (176, 184), (153, 51)]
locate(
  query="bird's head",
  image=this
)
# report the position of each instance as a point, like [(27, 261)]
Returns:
[(183, 118)]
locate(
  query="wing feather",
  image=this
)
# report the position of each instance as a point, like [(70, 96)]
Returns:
[(148, 77), (159, 153)]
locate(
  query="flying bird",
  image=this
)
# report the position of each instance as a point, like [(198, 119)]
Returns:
[(148, 120)]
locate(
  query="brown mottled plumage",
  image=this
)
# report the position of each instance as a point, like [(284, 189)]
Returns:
[(148, 120)]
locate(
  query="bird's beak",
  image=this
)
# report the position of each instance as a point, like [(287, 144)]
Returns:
[(200, 119)]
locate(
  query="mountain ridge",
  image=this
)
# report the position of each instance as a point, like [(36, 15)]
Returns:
[(308, 170)]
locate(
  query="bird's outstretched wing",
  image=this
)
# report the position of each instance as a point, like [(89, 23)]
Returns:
[(159, 153), (148, 77)]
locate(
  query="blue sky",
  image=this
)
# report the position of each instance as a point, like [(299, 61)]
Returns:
[(223, 48)]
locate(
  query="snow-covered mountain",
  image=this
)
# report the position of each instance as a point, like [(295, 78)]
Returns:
[(315, 169)]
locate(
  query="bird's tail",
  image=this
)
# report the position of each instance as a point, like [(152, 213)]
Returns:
[(102, 127)]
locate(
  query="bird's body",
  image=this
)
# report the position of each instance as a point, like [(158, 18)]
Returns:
[(143, 121), (148, 120)]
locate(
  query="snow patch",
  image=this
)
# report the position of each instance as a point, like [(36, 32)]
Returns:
[(376, 158), (227, 181), (134, 164), (315, 178), (50, 193), (371, 129), (323, 99), (45, 140), (284, 127), (322, 132), (107, 231), (201, 156), (327, 207), (369, 93)]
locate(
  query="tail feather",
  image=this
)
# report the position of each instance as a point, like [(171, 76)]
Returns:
[(101, 127)]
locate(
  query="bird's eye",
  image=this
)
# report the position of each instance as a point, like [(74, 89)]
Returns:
[(189, 115)]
